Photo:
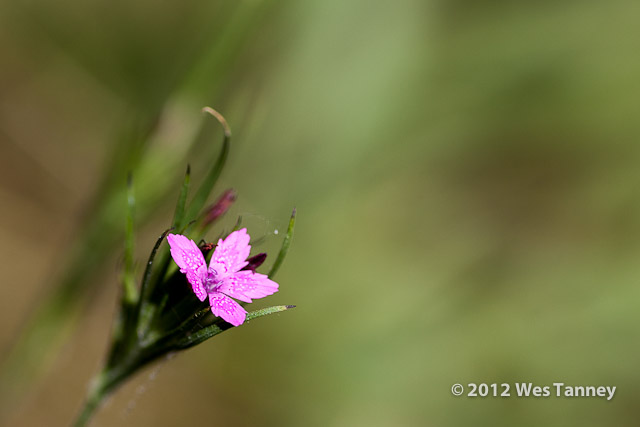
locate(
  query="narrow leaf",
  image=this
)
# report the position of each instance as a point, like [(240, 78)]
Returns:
[(141, 310), (285, 246), (178, 216), (236, 227), (147, 270), (213, 330), (203, 192)]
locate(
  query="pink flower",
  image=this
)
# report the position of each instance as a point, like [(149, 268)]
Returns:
[(224, 278)]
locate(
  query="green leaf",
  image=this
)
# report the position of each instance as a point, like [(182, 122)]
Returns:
[(178, 216), (147, 270), (142, 312), (207, 185), (285, 246), (213, 330), (236, 227)]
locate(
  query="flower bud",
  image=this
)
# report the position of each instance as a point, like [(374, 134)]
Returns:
[(220, 207)]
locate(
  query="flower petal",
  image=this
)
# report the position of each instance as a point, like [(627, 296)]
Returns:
[(189, 258), (231, 253), (228, 309), (245, 285)]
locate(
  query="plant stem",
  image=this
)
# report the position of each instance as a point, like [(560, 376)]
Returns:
[(102, 386), (95, 397)]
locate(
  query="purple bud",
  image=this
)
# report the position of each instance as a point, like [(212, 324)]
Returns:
[(255, 262), (220, 207)]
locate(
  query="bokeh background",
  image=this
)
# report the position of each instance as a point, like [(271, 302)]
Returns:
[(468, 192)]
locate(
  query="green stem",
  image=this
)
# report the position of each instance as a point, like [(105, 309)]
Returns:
[(94, 399), (102, 386), (90, 405)]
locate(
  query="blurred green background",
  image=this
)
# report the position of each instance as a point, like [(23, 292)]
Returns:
[(468, 192)]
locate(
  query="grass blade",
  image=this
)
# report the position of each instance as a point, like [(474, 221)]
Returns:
[(147, 270), (213, 330), (285, 246), (203, 192), (178, 216), (142, 311)]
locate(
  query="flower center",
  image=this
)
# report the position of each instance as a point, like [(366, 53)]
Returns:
[(211, 281)]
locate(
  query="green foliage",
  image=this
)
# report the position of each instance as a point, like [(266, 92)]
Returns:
[(285, 246)]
